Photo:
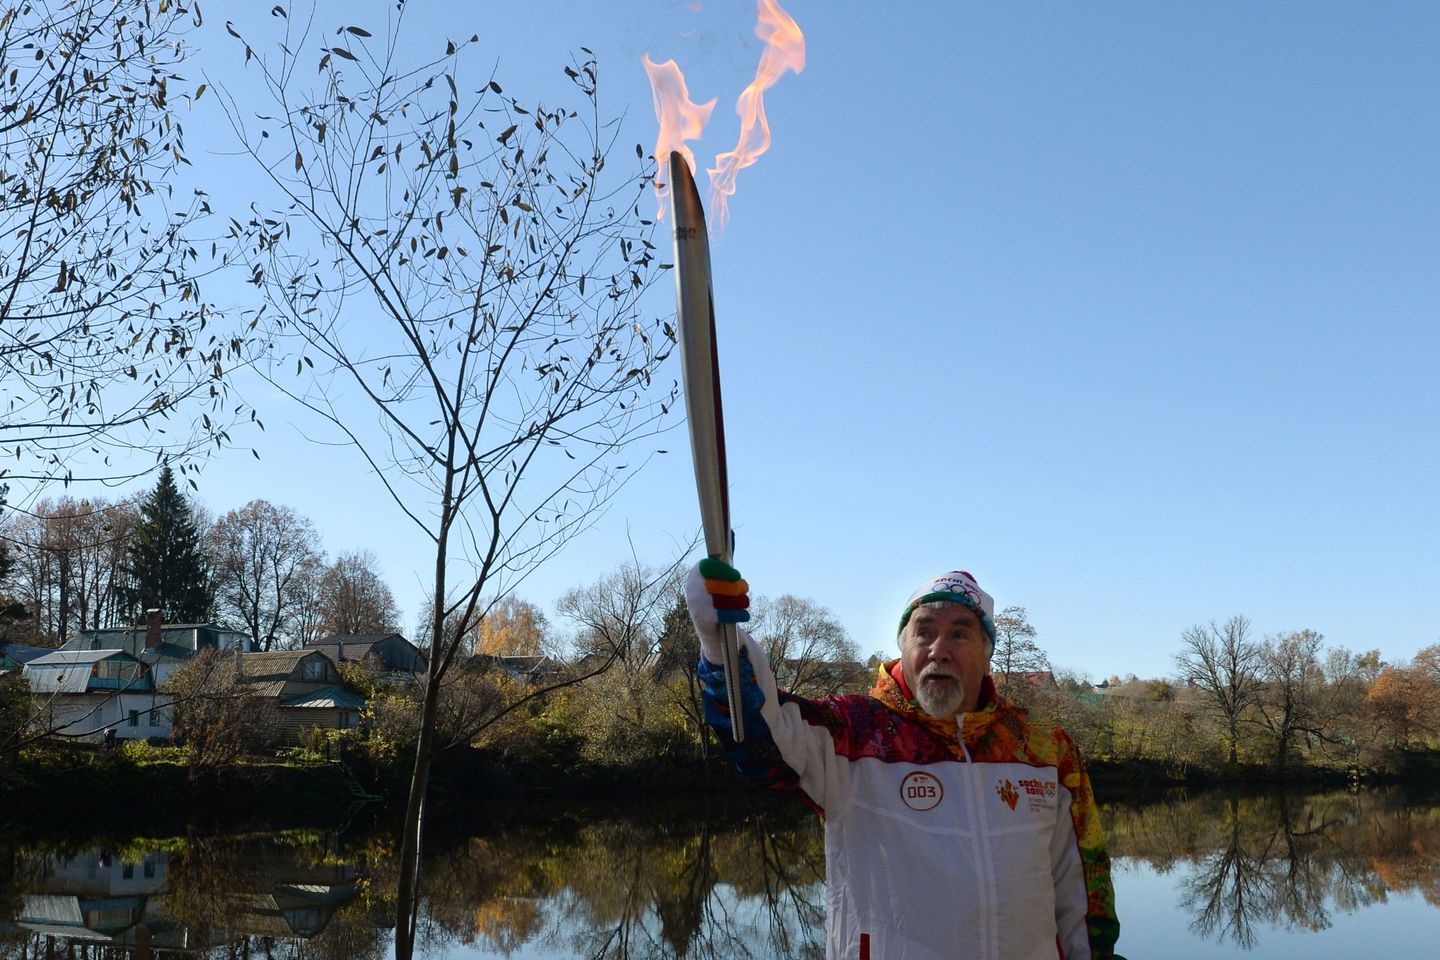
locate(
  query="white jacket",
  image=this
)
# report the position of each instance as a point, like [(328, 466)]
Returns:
[(942, 841)]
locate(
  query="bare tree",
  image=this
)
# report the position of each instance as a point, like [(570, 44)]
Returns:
[(216, 719), (266, 561), (353, 598), (69, 566), (809, 650), (1224, 664), (621, 621), (1016, 654), (103, 332), (467, 268), (1293, 699)]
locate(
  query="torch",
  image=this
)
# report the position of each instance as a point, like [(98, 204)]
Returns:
[(700, 363)]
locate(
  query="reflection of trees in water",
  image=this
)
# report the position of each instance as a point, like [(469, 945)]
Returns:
[(1284, 862), (663, 884), (637, 888)]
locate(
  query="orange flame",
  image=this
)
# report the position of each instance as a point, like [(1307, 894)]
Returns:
[(784, 50), (680, 118)]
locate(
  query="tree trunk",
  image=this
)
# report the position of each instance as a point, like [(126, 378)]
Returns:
[(407, 894)]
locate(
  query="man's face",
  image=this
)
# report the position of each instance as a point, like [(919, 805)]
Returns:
[(945, 653)]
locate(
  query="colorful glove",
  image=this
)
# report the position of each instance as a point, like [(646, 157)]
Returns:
[(715, 594)]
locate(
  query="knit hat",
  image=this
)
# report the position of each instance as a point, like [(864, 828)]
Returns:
[(957, 586)]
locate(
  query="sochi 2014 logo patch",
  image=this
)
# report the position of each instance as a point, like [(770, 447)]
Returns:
[(921, 791), (1038, 794)]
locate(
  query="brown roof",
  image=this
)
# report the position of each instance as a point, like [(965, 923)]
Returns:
[(264, 673)]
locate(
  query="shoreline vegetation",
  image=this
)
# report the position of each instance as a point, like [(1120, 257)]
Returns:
[(69, 788), (636, 730)]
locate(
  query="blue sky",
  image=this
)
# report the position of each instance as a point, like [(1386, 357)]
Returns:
[(1127, 308)]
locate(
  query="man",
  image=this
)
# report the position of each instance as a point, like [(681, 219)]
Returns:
[(956, 826)]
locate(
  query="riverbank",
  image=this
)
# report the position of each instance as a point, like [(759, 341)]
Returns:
[(157, 792)]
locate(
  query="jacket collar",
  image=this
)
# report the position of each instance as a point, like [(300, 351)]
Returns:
[(893, 691)]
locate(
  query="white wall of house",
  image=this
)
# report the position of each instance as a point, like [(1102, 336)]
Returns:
[(162, 669), (134, 716)]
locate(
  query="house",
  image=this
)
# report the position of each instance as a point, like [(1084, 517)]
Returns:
[(295, 690), (14, 656), (389, 653), (300, 906), (164, 647), (532, 670), (91, 897), (83, 693), (94, 903), (823, 677)]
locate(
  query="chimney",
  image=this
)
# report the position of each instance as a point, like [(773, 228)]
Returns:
[(340, 651), (239, 655), (152, 628)]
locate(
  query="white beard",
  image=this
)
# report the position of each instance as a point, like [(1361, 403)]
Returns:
[(942, 702)]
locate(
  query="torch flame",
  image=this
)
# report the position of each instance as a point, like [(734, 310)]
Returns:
[(784, 50), (680, 118)]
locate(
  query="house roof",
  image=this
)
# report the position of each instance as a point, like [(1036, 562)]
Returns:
[(336, 638), (67, 657), (24, 652), (356, 645), (76, 679), (166, 651), (331, 697), (265, 674), (71, 671), (515, 664), (132, 639)]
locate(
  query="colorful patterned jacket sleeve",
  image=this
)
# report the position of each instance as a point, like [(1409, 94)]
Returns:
[(788, 744), (1101, 928)]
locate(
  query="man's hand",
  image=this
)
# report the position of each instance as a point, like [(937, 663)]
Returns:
[(715, 594)]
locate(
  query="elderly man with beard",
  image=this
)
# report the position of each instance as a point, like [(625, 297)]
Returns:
[(956, 825)]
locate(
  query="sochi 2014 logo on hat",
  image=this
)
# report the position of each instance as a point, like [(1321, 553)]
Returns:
[(959, 582), (921, 791)]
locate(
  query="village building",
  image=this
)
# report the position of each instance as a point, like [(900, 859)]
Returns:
[(292, 691), (83, 694), (163, 647), (14, 656), (531, 670), (390, 654)]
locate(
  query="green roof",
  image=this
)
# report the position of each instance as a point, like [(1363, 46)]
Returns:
[(331, 697)]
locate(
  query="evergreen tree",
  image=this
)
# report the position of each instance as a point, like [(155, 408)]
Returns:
[(164, 558)]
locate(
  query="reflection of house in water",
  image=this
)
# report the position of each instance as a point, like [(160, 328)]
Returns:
[(120, 906), (300, 905), (92, 897)]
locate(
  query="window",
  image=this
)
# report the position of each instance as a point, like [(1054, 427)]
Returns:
[(134, 720), (149, 869), (154, 716), (315, 669), (127, 871)]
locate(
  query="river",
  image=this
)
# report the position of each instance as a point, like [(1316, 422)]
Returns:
[(1287, 875)]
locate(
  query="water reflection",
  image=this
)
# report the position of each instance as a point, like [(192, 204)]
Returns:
[(1284, 862), (671, 883), (665, 886)]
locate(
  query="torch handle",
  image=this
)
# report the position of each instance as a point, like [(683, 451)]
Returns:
[(700, 364)]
